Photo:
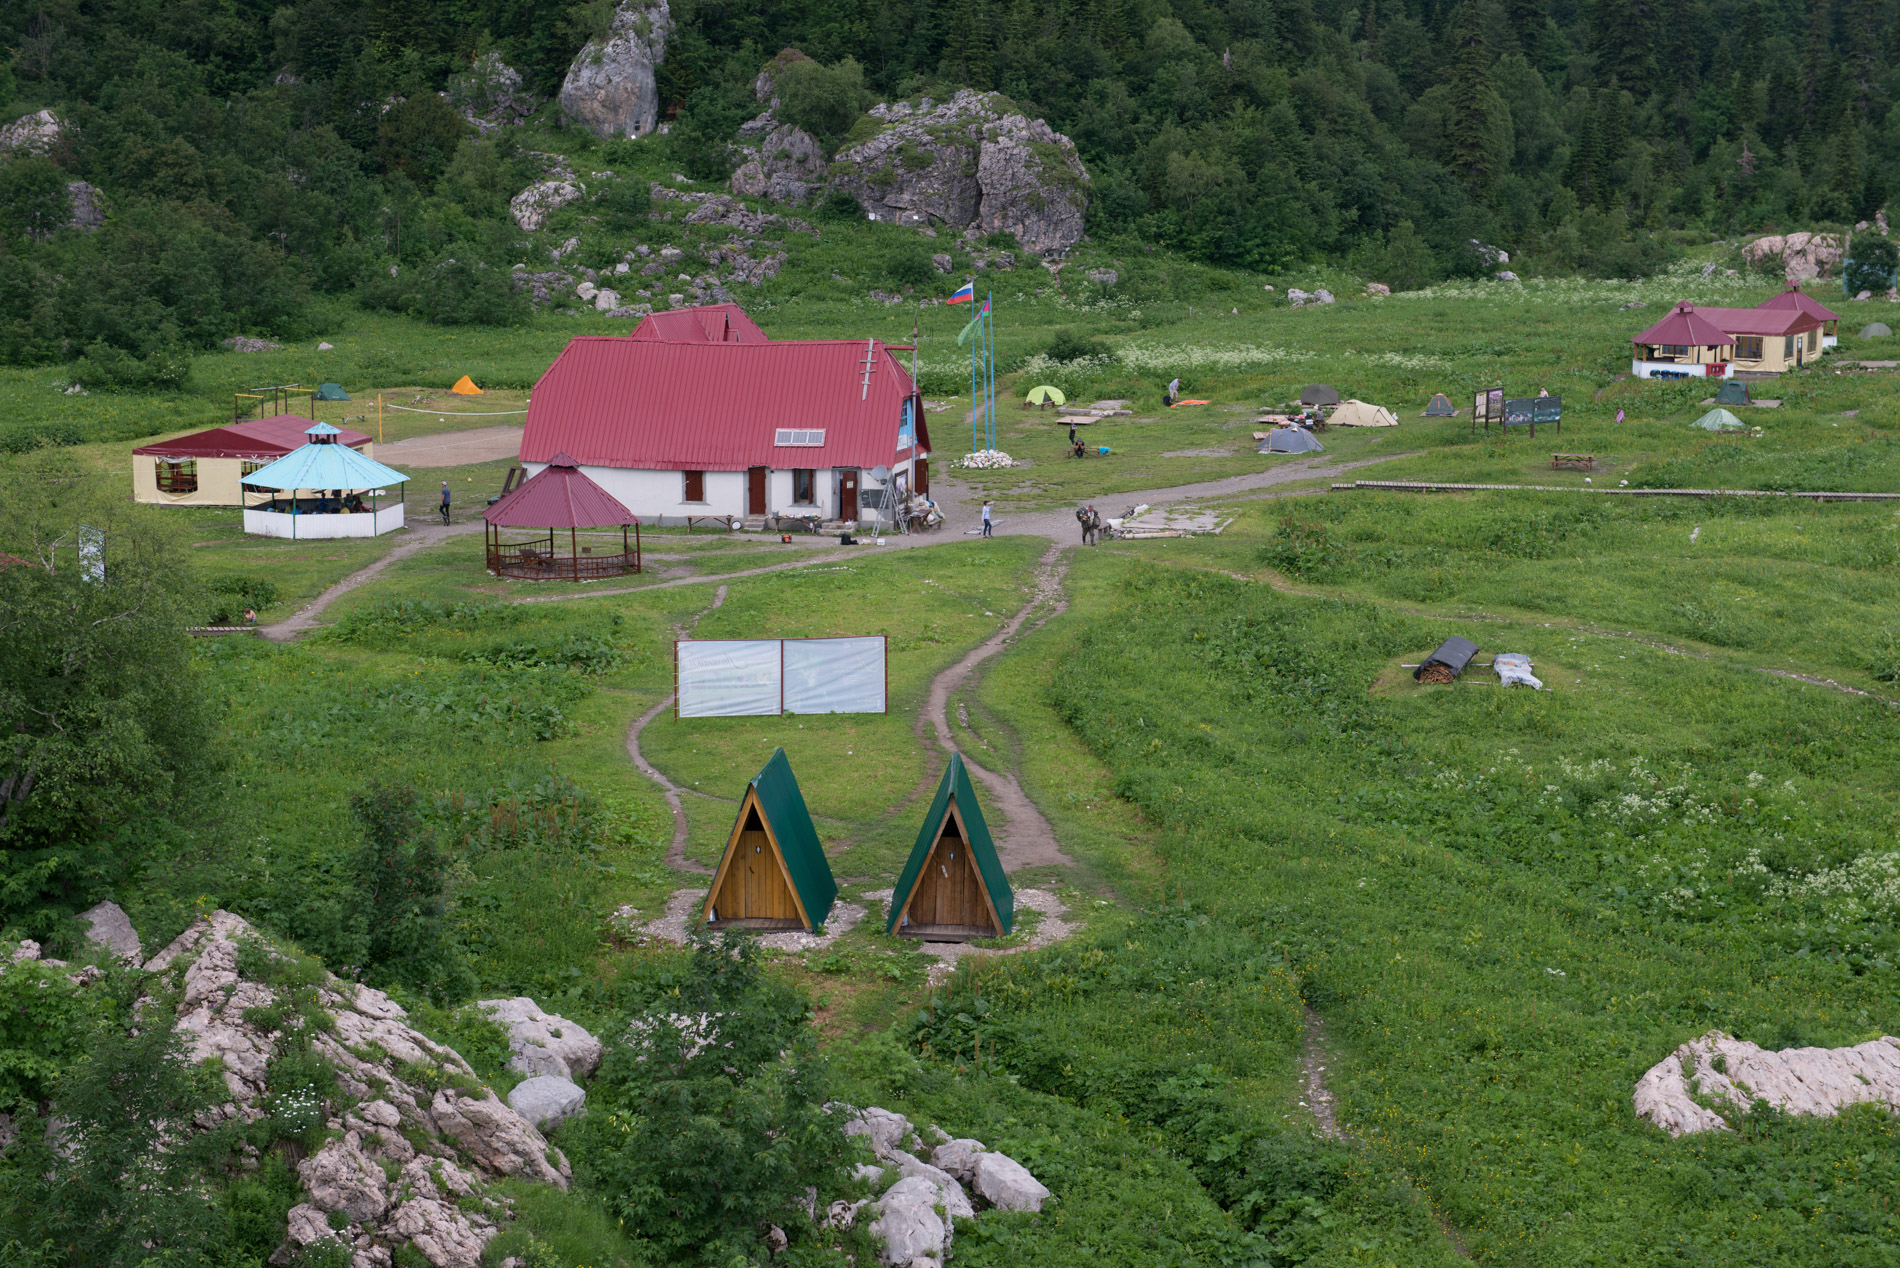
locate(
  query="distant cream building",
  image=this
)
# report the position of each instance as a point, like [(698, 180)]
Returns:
[(207, 468)]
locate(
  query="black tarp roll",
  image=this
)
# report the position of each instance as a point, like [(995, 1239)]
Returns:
[(1454, 653)]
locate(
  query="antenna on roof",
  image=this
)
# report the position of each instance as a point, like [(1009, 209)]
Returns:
[(870, 364)]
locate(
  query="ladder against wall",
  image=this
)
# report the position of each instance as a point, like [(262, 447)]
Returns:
[(953, 888), (773, 874)]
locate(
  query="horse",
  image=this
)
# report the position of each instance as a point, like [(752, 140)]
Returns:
[(1091, 522)]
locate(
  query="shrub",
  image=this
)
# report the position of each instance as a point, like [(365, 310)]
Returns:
[(908, 264), (401, 880), (624, 205), (1872, 266), (823, 100), (166, 366), (1303, 548), (708, 1120), (839, 207), (1067, 346), (231, 596)]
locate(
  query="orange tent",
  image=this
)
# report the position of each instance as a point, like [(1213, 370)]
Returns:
[(465, 386)]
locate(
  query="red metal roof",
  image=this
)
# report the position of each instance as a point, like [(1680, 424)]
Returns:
[(617, 402), (710, 323), (262, 438), (559, 497), (1793, 298)]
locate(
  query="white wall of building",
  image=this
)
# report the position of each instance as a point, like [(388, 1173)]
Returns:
[(653, 495)]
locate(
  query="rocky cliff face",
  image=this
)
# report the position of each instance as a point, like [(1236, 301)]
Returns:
[(609, 89), (781, 161), (415, 1135), (1804, 256), (974, 160)]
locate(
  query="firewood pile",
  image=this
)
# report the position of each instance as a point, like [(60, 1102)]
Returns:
[(1443, 675)]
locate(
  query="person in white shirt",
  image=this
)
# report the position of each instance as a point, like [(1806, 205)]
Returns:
[(986, 518)]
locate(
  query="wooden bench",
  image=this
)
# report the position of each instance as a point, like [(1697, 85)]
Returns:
[(1573, 462)]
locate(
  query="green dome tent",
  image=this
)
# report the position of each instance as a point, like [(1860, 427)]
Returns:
[(331, 392), (1875, 330), (1719, 419), (1734, 392)]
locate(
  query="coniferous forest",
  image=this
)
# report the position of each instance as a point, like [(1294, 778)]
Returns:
[(253, 154)]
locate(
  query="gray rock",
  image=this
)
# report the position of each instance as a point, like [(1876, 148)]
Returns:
[(112, 929), (1734, 1073), (606, 301), (88, 208), (1322, 296), (1863, 297), (890, 1134), (1104, 277), (609, 89), (39, 133), (958, 1158), (340, 1177), (1006, 1184), (548, 1099), (533, 205), (908, 1227), (1378, 288), (586, 291), (490, 94), (309, 1225), (942, 263), (325, 347), (1297, 297), (244, 343), (842, 1214), (969, 163), (953, 1199), (779, 161), (1505, 275)]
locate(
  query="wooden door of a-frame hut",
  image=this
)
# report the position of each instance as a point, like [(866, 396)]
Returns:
[(753, 889), (949, 902)]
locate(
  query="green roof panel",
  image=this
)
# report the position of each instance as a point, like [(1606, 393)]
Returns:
[(791, 826), (956, 782)]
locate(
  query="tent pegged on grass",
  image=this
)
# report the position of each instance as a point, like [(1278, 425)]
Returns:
[(465, 386), (773, 874), (953, 888)]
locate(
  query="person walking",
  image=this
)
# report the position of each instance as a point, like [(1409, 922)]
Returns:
[(1174, 391), (1072, 433), (445, 501), (986, 518)]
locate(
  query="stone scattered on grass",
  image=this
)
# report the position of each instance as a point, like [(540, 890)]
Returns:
[(547, 1100), (1733, 1074), (544, 1043)]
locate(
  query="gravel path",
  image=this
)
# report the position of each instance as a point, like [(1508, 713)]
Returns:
[(423, 536), (676, 853)]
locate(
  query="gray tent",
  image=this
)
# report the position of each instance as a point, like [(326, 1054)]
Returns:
[(1875, 330), (1320, 394), (1291, 440), (1719, 419), (1734, 392), (1440, 407)]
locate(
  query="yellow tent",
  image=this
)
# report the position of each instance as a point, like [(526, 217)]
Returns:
[(1359, 414), (465, 386)]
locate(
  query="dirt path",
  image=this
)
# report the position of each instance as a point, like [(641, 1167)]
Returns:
[(1319, 1098), (424, 536), (1026, 840), (675, 853)]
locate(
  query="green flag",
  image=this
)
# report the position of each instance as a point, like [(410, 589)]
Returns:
[(974, 323)]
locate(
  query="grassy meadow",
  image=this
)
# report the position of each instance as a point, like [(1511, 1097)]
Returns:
[(1503, 906)]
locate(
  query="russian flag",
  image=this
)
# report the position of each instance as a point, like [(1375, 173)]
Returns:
[(965, 295)]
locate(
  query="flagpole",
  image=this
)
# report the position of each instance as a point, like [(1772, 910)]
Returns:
[(973, 445), (989, 350)]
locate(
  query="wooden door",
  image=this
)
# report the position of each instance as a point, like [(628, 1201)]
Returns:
[(848, 495), (755, 491), (949, 894), (754, 886), (921, 481)]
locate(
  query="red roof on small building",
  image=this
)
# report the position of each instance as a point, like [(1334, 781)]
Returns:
[(1794, 298), (559, 497), (1685, 326), (261, 438), (617, 402), (710, 323)]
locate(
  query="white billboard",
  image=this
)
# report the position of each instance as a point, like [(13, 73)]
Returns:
[(719, 678)]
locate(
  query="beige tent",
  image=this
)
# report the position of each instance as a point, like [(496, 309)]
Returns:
[(1360, 414)]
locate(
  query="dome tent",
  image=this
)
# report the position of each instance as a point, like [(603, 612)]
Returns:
[(1290, 440), (1320, 394), (1440, 407), (1875, 330), (1354, 413), (1719, 419)]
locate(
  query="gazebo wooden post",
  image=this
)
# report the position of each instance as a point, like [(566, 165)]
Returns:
[(574, 552), (636, 544)]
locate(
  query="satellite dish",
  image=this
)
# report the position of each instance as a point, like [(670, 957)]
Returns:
[(881, 474)]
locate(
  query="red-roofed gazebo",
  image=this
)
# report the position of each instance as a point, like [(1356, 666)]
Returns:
[(560, 497)]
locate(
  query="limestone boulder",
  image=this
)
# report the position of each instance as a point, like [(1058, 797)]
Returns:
[(1804, 256), (341, 1177), (547, 1100), (490, 94), (42, 132), (957, 1158), (1006, 1184), (888, 1133), (1378, 288), (609, 89), (779, 161), (533, 205), (972, 162), (89, 210), (908, 1228), (1733, 1074), (109, 926), (950, 1194)]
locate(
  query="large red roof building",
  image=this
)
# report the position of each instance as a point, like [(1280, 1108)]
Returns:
[(731, 427), (1693, 341)]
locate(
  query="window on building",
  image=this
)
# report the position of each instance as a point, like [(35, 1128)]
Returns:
[(800, 437), (178, 477), (804, 486), (1748, 347), (1814, 337), (695, 486), (1787, 348), (1675, 350)]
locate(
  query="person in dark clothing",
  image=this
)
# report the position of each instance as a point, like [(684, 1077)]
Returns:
[(445, 501), (1072, 433)]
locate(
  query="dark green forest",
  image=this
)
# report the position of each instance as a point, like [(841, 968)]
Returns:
[(254, 155)]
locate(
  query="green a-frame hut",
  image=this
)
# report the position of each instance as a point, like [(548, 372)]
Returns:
[(773, 874), (953, 888)]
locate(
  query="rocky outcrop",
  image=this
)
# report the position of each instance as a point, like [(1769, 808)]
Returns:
[(109, 926), (40, 133), (533, 205), (765, 87), (245, 343), (490, 94), (779, 161), (406, 1164), (88, 206), (974, 160), (1804, 256), (548, 1100), (1727, 1073), (908, 1228), (1300, 299), (609, 89)]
